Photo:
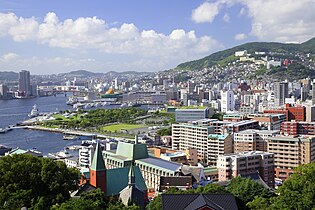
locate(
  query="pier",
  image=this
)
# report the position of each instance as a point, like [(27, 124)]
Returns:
[(66, 131)]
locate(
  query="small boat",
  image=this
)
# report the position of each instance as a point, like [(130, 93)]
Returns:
[(34, 112)]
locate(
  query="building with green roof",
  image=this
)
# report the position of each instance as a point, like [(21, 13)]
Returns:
[(151, 168), (111, 181)]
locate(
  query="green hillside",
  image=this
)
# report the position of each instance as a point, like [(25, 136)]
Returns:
[(222, 56)]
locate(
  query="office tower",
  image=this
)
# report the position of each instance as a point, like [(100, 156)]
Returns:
[(24, 83), (313, 92), (227, 101), (3, 91), (191, 87), (116, 84), (281, 91)]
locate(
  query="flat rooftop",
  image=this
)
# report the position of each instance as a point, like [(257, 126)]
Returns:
[(251, 131), (246, 154), (159, 163)]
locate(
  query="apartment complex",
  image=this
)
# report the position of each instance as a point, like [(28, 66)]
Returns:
[(252, 140), (294, 128), (246, 163), (290, 152), (203, 138)]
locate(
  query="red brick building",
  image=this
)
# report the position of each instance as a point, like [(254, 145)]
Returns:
[(295, 128), (297, 113)]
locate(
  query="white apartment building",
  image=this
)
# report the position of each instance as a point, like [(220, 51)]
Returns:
[(227, 101)]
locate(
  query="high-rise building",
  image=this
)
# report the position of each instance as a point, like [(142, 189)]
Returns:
[(116, 84), (281, 91), (227, 101), (24, 83), (246, 163), (3, 91), (313, 92)]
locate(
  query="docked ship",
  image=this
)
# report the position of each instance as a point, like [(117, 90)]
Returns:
[(72, 100), (60, 155), (34, 112)]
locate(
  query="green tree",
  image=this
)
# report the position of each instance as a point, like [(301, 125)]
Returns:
[(89, 200), (245, 190), (31, 181), (164, 131), (298, 191), (211, 188), (259, 203), (218, 116)]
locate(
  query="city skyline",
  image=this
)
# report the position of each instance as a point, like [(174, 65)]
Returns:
[(47, 38)]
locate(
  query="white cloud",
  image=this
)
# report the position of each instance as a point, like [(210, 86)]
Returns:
[(92, 35), (282, 20), (271, 20), (9, 56), (240, 37), (24, 29), (206, 12), (226, 18)]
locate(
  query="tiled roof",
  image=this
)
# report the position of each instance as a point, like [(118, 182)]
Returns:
[(196, 201)]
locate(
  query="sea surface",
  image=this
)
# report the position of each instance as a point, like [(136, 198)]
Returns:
[(16, 110)]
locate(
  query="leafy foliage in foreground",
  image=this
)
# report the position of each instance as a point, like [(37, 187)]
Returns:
[(297, 192), (34, 182)]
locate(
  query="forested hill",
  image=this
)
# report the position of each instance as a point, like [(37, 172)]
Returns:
[(215, 58)]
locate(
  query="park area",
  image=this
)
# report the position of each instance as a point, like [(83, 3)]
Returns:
[(122, 127)]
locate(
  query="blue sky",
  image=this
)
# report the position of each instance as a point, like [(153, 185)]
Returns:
[(48, 37)]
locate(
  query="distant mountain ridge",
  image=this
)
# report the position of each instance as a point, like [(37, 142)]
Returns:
[(251, 47), (8, 75)]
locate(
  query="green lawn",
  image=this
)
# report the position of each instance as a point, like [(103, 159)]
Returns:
[(78, 117), (122, 126)]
